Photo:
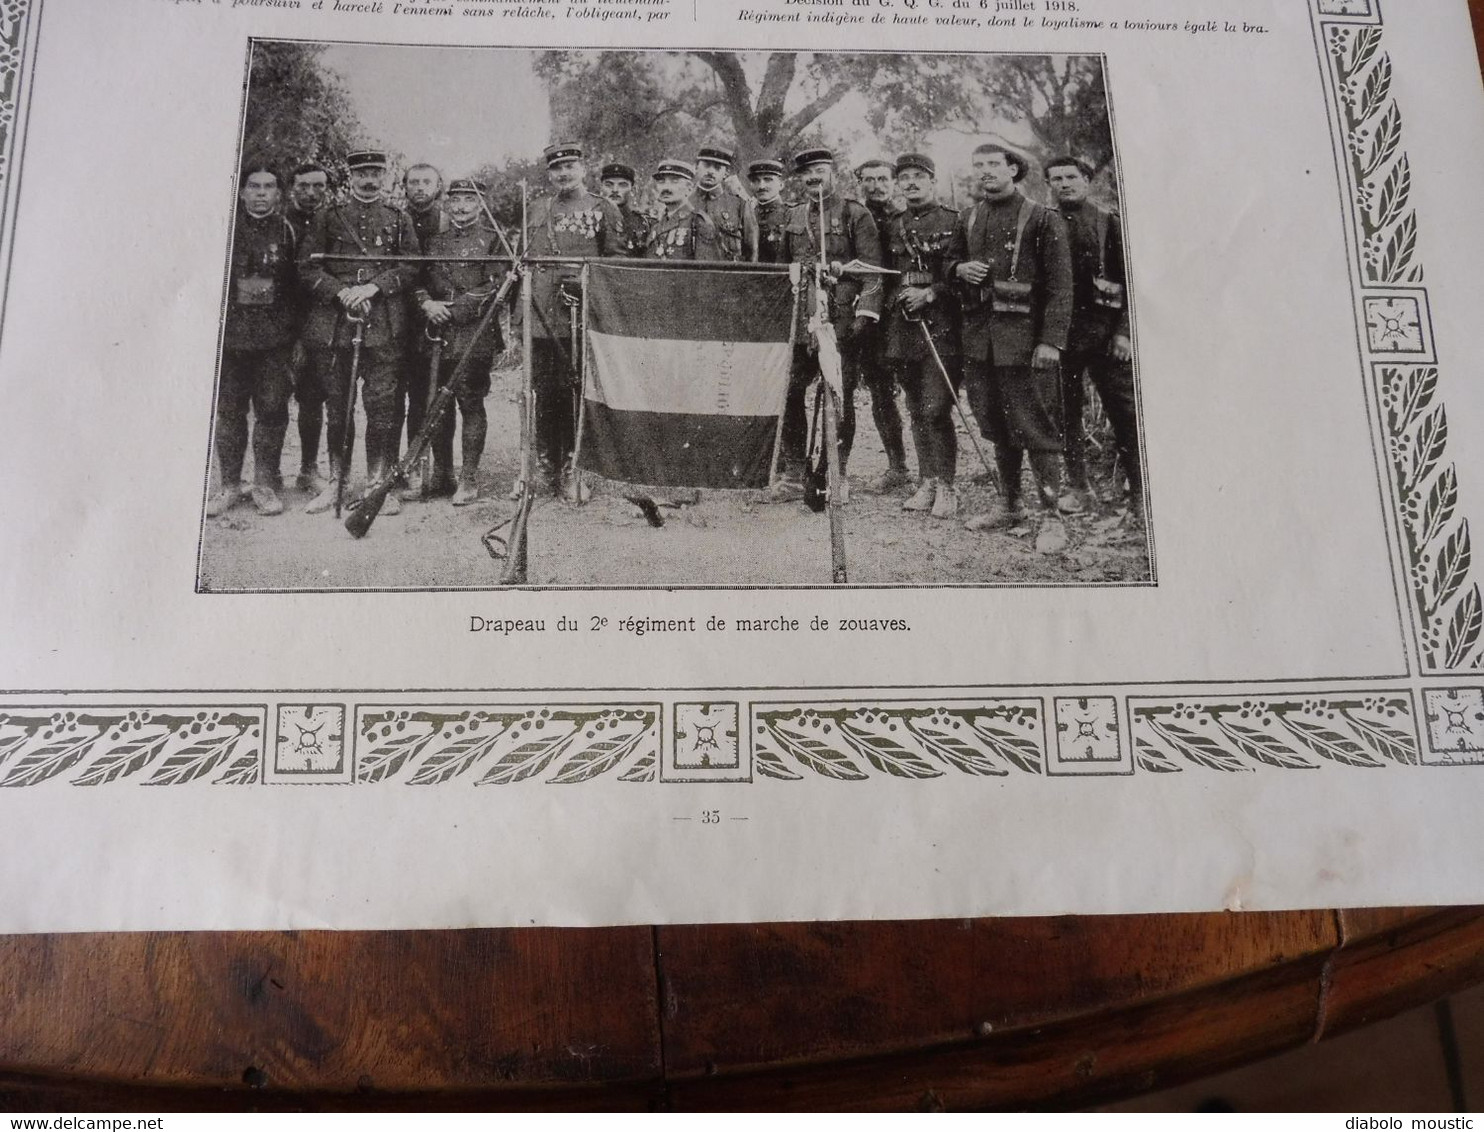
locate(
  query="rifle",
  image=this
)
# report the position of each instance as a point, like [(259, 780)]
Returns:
[(513, 547), (348, 433), (364, 511)]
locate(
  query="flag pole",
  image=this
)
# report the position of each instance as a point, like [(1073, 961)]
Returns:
[(839, 568), (581, 394)]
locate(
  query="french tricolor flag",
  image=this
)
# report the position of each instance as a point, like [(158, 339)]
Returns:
[(687, 374)]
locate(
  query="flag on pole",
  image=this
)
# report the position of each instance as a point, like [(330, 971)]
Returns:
[(688, 371)]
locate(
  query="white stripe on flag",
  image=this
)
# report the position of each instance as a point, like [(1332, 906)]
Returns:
[(669, 375)]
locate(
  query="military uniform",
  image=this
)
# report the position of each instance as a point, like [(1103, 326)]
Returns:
[(636, 229), (849, 233), (1098, 316), (584, 225), (736, 225), (257, 342), (772, 230), (358, 227), (1017, 406), (467, 287), (683, 233), (412, 401), (877, 374), (919, 241), (308, 395)]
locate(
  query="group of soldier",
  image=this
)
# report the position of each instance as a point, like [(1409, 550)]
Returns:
[(1013, 301)]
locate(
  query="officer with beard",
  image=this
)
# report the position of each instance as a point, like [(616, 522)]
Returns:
[(1014, 272)]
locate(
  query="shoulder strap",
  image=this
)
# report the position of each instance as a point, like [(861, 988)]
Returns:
[(1102, 227), (351, 232), (1027, 210)]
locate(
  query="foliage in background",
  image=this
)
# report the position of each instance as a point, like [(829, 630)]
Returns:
[(298, 110)]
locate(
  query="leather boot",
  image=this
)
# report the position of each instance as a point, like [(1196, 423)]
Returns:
[(923, 498)]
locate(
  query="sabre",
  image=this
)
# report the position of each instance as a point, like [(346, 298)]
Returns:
[(927, 335), (424, 472), (348, 433)]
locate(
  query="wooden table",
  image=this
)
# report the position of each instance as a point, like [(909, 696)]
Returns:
[(1053, 1013), (958, 1014)]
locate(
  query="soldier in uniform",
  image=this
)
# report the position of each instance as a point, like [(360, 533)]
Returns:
[(422, 188), (918, 243), (680, 232), (452, 303), (342, 292), (571, 222), (1015, 277), (616, 181), (1099, 345), (769, 208), (309, 188), (258, 339), (848, 233), (717, 195), (876, 178)]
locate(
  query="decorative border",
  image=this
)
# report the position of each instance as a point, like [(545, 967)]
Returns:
[(492, 745), (98, 746), (1005, 734), (500, 741), (1446, 611)]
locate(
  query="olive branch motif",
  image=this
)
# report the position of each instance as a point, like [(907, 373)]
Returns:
[(1436, 541), (560, 746), (851, 743), (1365, 732), (93, 747)]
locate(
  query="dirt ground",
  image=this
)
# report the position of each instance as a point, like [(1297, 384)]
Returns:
[(725, 539)]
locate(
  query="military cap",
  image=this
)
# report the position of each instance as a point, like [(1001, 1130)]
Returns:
[(618, 171), (916, 161), (673, 168), (718, 153), (871, 163), (562, 151), (765, 168), (807, 157), (466, 185), (1013, 156), (365, 159)]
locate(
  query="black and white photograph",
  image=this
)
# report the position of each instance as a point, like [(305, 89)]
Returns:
[(610, 319)]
